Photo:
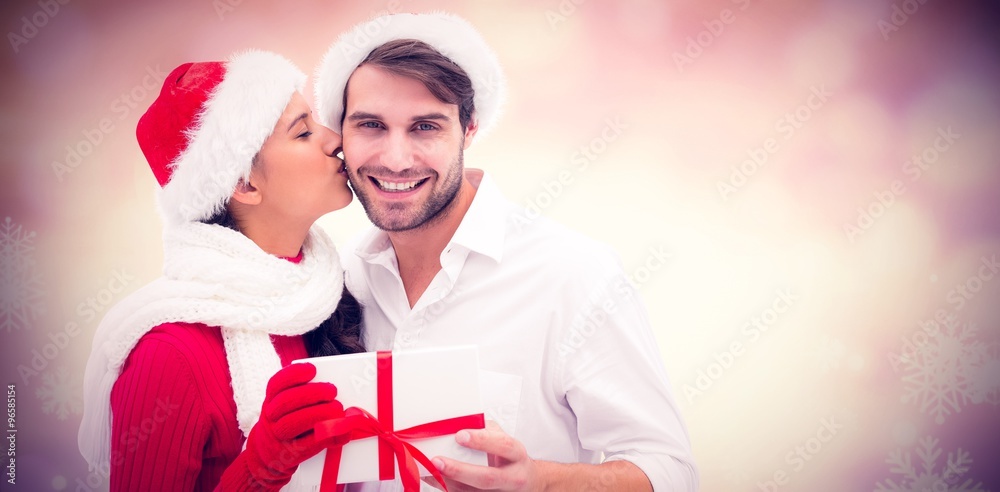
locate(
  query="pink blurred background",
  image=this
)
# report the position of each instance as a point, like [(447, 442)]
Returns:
[(799, 189)]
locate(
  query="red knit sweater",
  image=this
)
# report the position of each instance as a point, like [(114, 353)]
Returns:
[(173, 415)]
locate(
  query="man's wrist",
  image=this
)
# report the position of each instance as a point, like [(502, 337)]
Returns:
[(613, 475), (543, 475)]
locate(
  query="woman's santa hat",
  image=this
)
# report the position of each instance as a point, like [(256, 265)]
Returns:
[(202, 132), (450, 35), (200, 137)]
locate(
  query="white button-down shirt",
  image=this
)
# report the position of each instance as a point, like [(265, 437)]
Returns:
[(570, 366)]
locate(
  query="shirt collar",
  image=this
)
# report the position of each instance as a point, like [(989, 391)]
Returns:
[(375, 246), (481, 230)]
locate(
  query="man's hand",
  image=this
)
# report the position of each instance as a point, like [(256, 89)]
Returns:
[(512, 469), (510, 466)]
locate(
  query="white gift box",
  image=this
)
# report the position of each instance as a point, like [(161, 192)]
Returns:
[(428, 385)]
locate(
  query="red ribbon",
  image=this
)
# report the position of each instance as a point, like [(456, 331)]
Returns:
[(393, 446)]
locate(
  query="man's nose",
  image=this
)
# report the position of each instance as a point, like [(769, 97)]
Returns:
[(397, 154)]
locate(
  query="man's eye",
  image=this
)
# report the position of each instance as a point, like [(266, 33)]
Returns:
[(370, 124), (425, 127)]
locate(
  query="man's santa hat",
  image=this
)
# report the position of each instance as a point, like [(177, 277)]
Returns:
[(202, 132), (450, 35)]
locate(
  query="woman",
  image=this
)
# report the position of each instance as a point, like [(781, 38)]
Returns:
[(179, 374)]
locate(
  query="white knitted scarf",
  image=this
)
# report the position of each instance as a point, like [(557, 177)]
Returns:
[(216, 276)]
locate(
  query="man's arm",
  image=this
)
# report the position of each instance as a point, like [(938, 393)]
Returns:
[(608, 370), (512, 469)]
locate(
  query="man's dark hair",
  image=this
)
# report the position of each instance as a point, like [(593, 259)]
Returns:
[(418, 60)]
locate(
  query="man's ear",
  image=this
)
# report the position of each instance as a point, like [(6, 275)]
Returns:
[(246, 193), (470, 131)]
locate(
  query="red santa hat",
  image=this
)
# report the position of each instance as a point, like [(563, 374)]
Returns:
[(202, 132), (450, 35)]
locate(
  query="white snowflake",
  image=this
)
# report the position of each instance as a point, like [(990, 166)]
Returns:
[(829, 353), (16, 245), (59, 394), (20, 285), (937, 375), (985, 377), (925, 476)]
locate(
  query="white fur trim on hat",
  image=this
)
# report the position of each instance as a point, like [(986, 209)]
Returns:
[(237, 118), (451, 35)]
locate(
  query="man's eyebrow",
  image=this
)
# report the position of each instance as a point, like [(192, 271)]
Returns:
[(431, 116), (361, 115), (296, 120)]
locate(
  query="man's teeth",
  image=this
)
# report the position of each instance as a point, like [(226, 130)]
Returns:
[(390, 186)]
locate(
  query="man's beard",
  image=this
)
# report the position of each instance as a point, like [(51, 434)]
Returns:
[(396, 217)]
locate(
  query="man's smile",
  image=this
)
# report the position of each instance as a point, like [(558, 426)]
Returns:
[(397, 186)]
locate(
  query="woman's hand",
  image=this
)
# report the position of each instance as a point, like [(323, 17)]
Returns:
[(283, 436)]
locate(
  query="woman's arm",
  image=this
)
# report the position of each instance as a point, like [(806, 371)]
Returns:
[(159, 427)]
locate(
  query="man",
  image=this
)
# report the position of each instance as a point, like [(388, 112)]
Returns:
[(575, 380)]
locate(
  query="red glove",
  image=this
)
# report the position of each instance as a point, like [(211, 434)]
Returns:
[(283, 436)]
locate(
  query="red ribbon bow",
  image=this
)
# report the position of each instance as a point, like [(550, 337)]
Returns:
[(393, 446)]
